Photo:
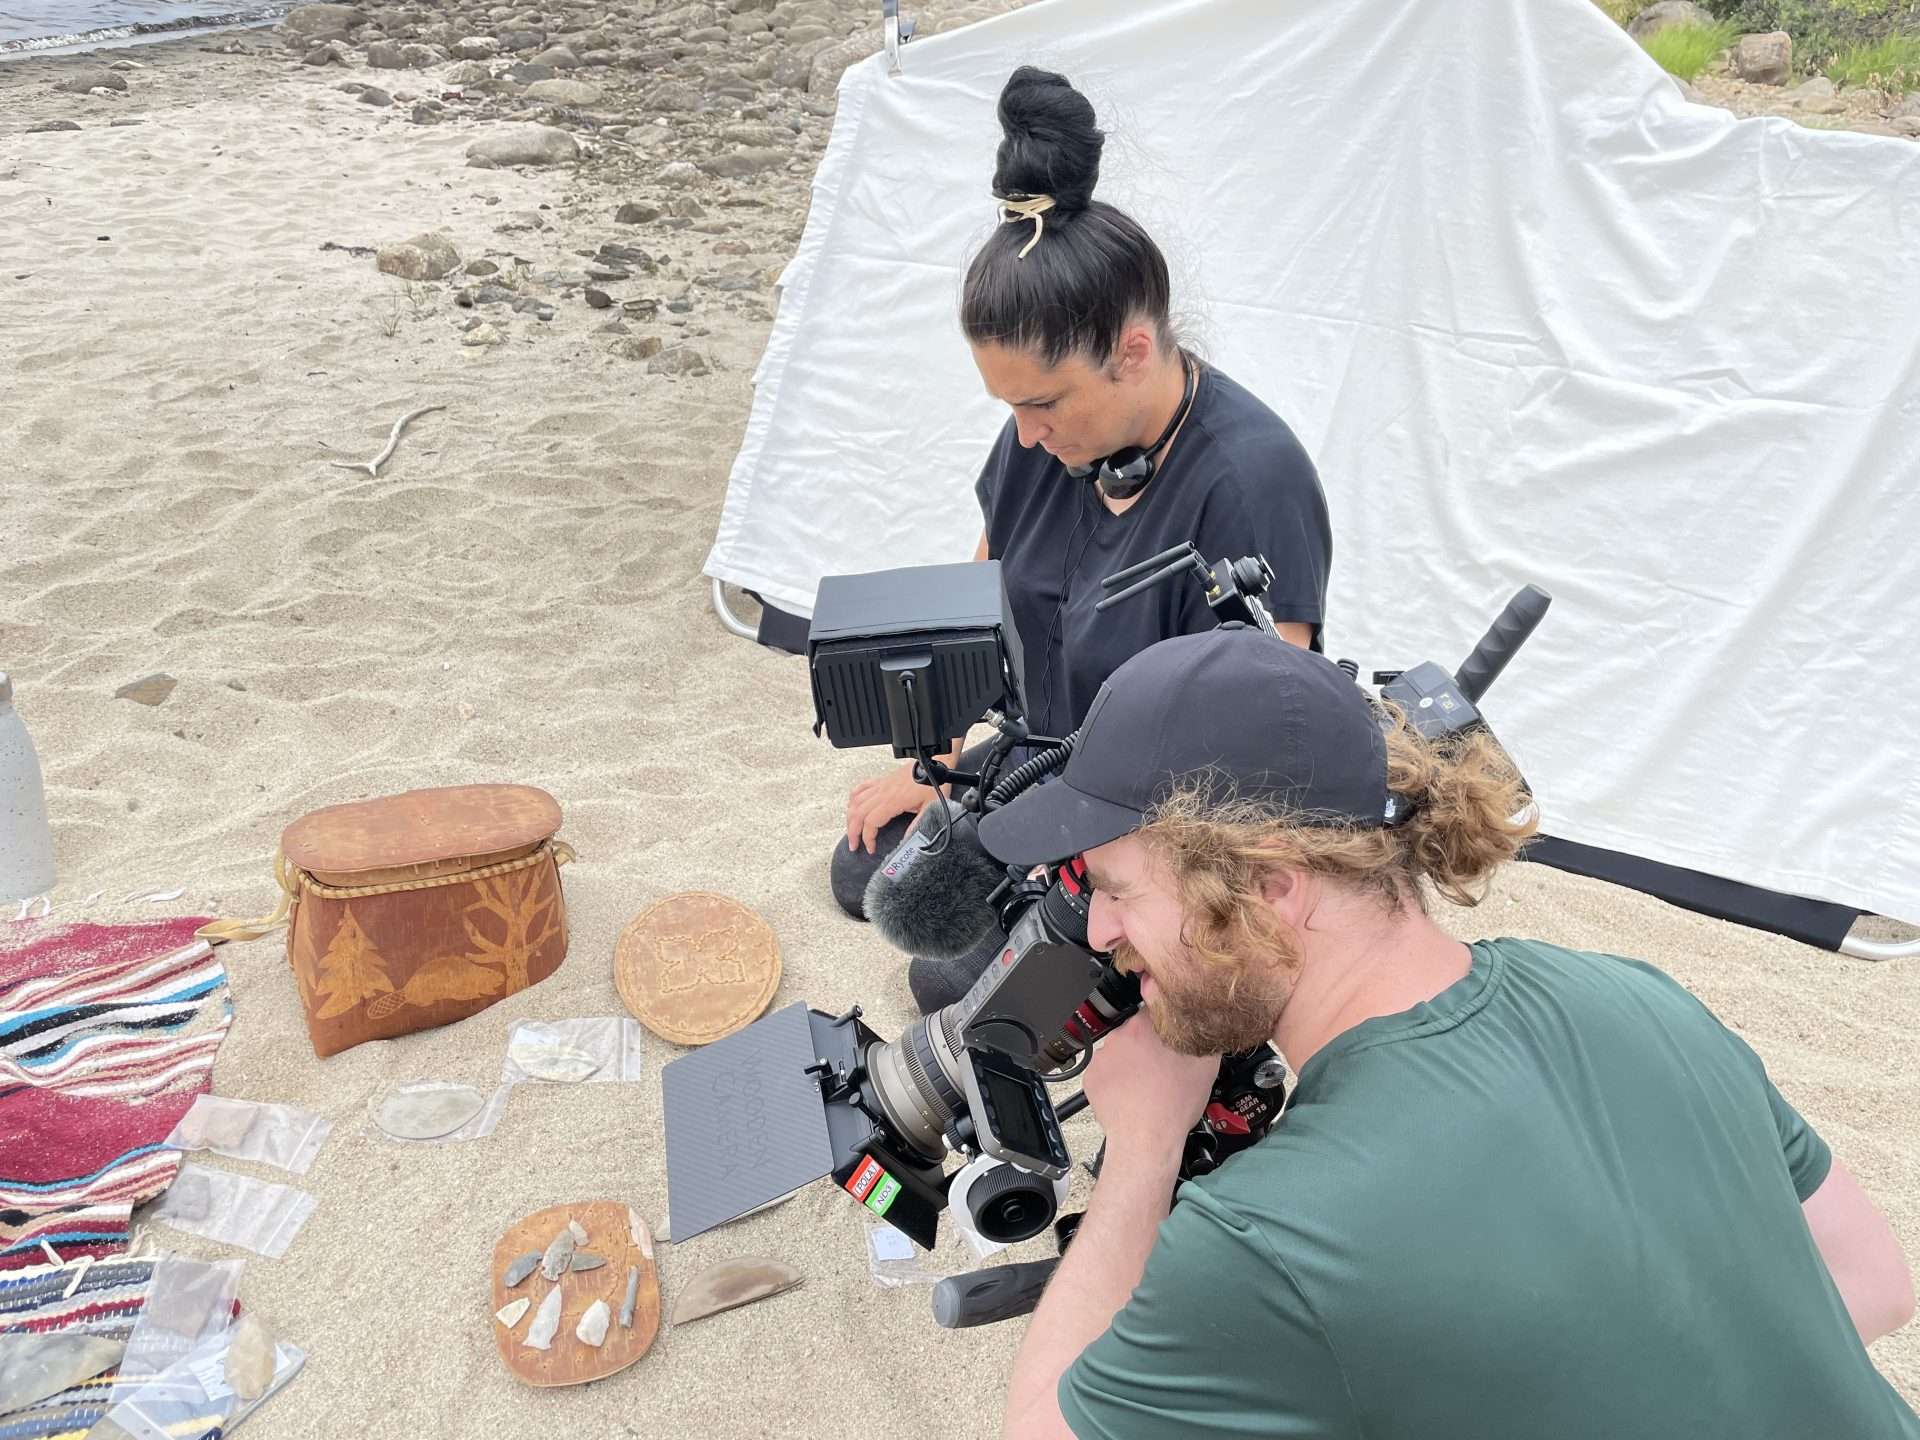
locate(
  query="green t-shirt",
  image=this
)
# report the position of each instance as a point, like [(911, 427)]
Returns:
[(1560, 1200)]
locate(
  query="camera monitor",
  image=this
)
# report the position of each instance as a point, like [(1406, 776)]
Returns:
[(912, 657)]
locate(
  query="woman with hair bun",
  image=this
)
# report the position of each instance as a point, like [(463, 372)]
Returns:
[(1121, 444)]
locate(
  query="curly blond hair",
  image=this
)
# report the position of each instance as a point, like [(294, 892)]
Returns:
[(1473, 814)]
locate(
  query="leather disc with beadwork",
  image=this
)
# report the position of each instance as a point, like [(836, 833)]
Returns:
[(696, 967)]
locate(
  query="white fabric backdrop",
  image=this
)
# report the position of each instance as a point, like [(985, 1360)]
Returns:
[(1535, 316)]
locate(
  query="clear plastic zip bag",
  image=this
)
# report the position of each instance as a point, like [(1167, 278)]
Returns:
[(193, 1398), (439, 1112), (281, 1135), (234, 1209), (895, 1261), (187, 1301), (598, 1050)]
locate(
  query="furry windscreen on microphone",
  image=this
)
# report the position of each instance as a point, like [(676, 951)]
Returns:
[(935, 904)]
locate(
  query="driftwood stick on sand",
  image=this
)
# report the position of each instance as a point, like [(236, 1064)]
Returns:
[(372, 467)]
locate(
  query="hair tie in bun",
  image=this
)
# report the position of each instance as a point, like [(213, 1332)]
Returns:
[(1015, 209)]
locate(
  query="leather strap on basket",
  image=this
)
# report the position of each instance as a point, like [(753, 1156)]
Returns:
[(293, 880)]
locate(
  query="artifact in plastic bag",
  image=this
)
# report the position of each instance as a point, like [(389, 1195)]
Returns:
[(696, 967), (603, 1050), (250, 1360), (193, 1398), (234, 1209), (281, 1135), (187, 1301), (437, 1112), (572, 1336)]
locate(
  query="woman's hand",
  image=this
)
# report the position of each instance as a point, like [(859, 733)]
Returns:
[(874, 802)]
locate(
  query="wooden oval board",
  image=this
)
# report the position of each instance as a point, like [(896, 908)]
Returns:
[(569, 1361), (696, 967)]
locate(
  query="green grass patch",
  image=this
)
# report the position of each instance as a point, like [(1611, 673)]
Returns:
[(1822, 29), (1621, 11), (1890, 64), (1683, 51)]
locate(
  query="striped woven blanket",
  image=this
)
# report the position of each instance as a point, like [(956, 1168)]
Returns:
[(107, 1033), (107, 1302)]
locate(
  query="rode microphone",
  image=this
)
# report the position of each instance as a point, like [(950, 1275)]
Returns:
[(930, 898)]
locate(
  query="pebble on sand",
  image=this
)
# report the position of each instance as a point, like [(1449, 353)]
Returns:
[(322, 19), (565, 92), (524, 145), (424, 257), (680, 360), (85, 80)]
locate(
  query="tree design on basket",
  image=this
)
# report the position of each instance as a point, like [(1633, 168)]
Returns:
[(710, 958), (529, 913), (514, 916), (350, 971)]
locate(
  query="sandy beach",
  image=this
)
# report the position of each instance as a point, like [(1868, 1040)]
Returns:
[(195, 331)]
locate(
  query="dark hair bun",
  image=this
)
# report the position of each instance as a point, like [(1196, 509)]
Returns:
[(1051, 145)]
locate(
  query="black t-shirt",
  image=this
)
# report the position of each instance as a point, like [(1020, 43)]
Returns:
[(1235, 482)]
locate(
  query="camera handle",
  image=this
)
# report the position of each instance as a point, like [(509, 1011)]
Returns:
[(986, 1297)]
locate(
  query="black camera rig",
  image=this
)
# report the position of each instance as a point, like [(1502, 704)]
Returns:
[(913, 658)]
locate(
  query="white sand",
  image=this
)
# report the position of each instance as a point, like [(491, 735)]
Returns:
[(516, 598)]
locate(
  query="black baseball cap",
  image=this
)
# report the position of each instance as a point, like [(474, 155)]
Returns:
[(1282, 724)]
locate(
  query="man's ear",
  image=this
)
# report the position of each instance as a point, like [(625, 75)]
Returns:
[(1286, 891)]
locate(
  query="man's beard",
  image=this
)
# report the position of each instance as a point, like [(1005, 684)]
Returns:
[(1200, 1010)]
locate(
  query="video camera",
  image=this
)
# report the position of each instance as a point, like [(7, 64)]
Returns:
[(913, 658)]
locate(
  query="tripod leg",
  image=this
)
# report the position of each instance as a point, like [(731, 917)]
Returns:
[(982, 1297)]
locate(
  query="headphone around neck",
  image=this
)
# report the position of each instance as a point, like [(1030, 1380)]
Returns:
[(1125, 473)]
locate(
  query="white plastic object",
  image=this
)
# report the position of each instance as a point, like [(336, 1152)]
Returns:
[(26, 839)]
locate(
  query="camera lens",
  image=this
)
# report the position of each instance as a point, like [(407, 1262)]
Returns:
[(916, 1079)]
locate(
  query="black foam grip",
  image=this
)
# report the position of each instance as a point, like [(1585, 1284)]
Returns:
[(1505, 636), (982, 1297)]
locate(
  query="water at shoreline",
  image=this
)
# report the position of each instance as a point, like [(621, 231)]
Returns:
[(50, 27)]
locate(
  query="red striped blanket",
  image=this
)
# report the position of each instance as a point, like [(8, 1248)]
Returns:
[(107, 1033)]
